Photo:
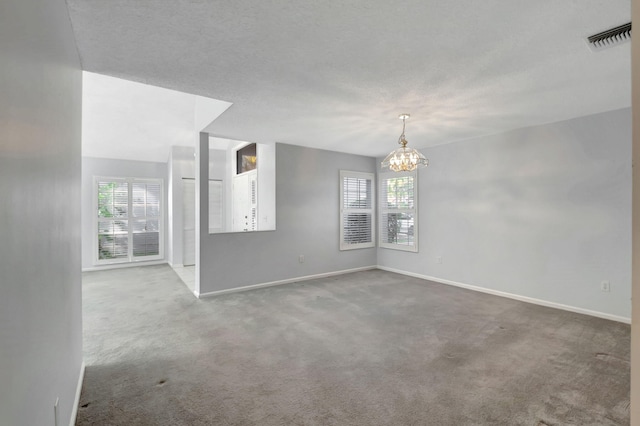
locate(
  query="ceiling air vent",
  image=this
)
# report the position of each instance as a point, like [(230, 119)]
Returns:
[(610, 38)]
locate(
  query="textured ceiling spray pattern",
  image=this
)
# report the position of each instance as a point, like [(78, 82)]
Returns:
[(335, 75)]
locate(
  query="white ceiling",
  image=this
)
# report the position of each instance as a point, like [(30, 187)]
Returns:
[(133, 121), (336, 74)]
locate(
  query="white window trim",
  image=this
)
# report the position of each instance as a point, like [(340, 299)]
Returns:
[(161, 225), (382, 210), (343, 211)]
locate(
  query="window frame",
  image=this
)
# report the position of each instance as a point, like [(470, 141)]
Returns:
[(129, 218), (372, 211), (384, 209)]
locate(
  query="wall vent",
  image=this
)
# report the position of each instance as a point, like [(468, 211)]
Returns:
[(610, 38)]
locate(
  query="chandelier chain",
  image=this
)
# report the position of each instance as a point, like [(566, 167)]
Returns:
[(402, 140)]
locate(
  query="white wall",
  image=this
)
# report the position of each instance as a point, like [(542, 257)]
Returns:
[(169, 254), (114, 168), (266, 154), (181, 165), (542, 212), (217, 164), (40, 283), (222, 165), (307, 199)]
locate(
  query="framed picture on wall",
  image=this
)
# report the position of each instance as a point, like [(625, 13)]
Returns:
[(246, 159)]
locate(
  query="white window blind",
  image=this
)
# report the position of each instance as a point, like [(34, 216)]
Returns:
[(146, 216), (129, 219), (398, 211), (356, 210), (113, 220)]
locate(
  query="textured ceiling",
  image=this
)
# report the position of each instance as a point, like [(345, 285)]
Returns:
[(336, 74)]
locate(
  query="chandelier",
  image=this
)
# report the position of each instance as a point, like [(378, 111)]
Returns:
[(404, 159)]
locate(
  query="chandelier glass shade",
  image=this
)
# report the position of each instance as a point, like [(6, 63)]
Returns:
[(404, 159)]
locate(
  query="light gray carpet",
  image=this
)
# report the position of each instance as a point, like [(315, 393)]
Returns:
[(369, 348)]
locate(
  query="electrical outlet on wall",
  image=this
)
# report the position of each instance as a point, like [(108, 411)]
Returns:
[(605, 286), (439, 259), (301, 258)]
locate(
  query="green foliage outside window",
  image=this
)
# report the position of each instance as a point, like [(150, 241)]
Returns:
[(399, 195), (105, 199), (112, 203), (400, 192)]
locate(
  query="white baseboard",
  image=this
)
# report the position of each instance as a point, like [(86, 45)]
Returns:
[(512, 296), (123, 265), (76, 401), (281, 282)]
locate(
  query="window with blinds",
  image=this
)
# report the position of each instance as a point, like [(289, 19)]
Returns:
[(356, 210), (129, 220), (398, 211)]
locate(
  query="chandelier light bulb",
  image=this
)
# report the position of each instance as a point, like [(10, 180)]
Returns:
[(404, 159)]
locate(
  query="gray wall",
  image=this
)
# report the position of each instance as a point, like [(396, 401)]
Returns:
[(307, 222), (40, 291), (113, 168), (542, 212), (635, 330)]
